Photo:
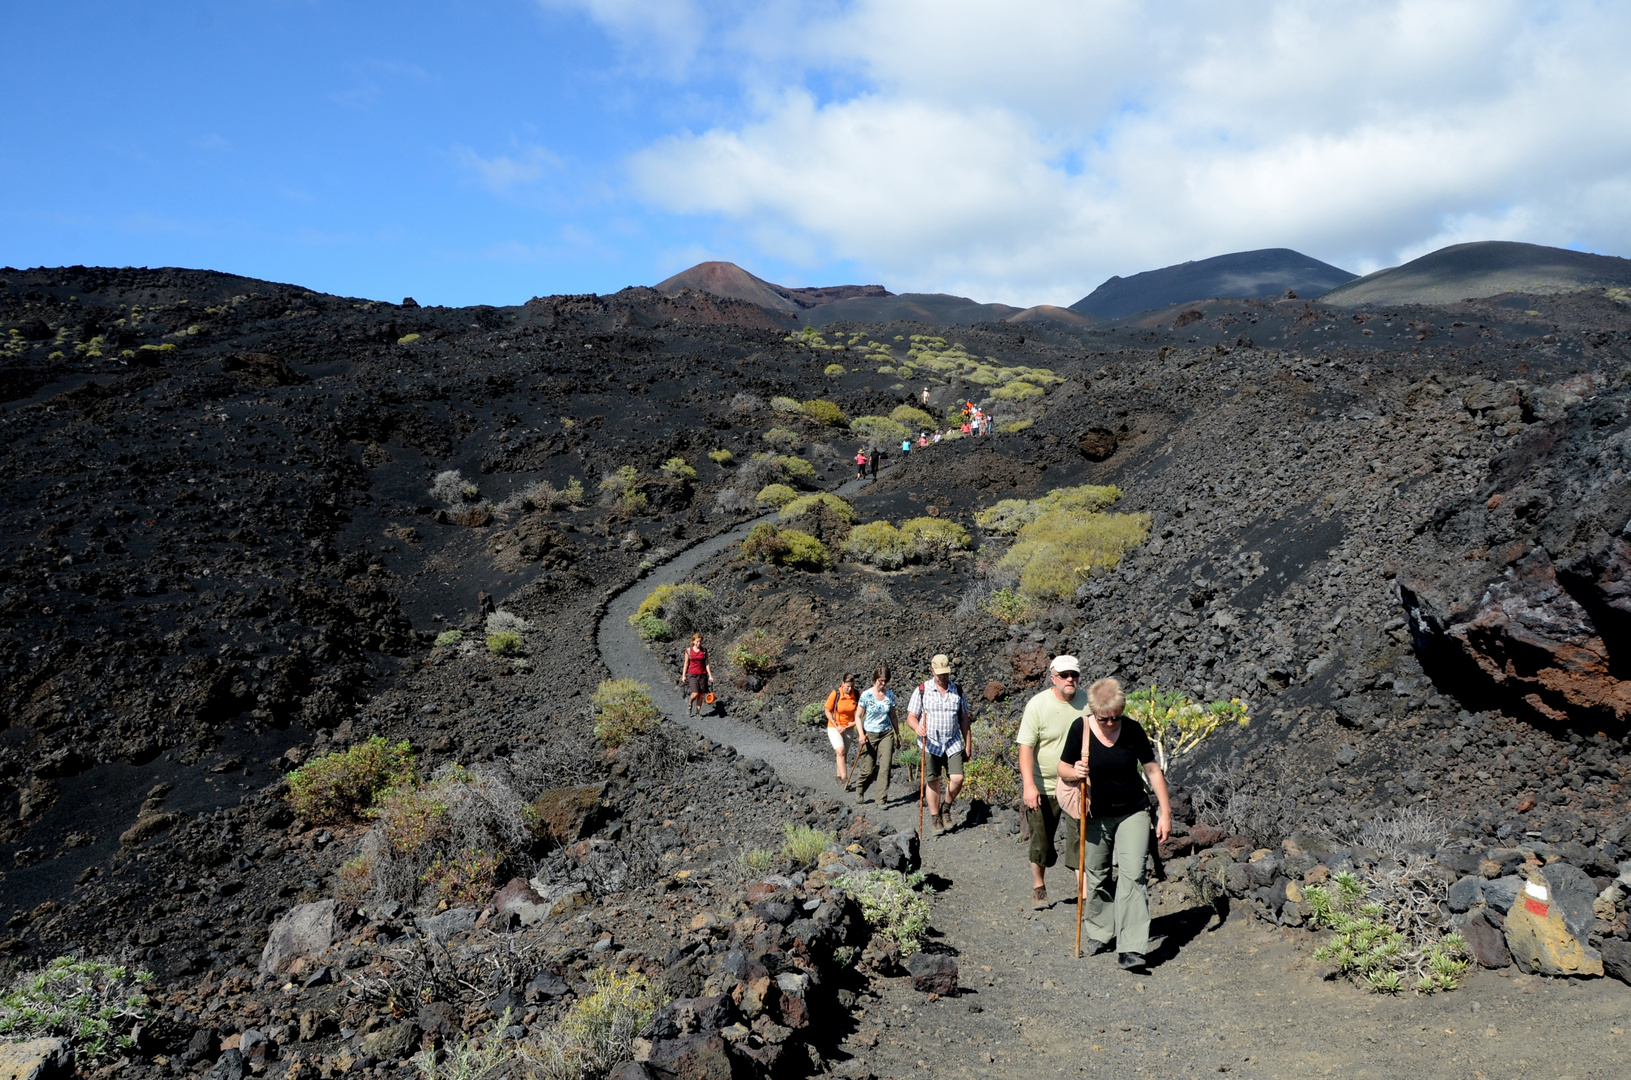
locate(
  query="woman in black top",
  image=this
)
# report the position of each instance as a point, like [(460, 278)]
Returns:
[(1118, 820)]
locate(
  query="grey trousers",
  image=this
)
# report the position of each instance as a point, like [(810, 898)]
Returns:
[(877, 756), (1125, 916)]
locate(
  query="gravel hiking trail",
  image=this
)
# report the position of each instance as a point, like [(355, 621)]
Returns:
[(1243, 998)]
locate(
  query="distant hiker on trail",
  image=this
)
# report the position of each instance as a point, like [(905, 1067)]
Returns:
[(965, 424), (873, 460), (925, 396), (937, 437), (860, 464), (1107, 752), (923, 438), (905, 446), (938, 713), (840, 710), (877, 737), (1042, 733), (696, 674)]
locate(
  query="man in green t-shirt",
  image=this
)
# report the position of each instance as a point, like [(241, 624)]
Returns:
[(1042, 732)]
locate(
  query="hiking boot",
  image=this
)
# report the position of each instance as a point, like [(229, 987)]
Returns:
[(1039, 898), (939, 824), (1098, 948), (1130, 961)]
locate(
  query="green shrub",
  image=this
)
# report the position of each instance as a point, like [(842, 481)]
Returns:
[(890, 903), (407, 339), (597, 1033), (673, 604), (825, 412), (471, 1057), (758, 652), (340, 786), (449, 637), (785, 547), (804, 845), (1386, 940), (930, 536), (651, 628), (804, 552), (1018, 390), (879, 429), (991, 780), (1176, 725), (878, 543), (777, 495), (785, 405), (814, 714), (675, 468), (623, 710), (463, 877), (504, 644), (1010, 515), (912, 417), (1059, 550), (1011, 427), (833, 370), (782, 438), (758, 860), (94, 1005), (1009, 606), (796, 468), (722, 458), (803, 504)]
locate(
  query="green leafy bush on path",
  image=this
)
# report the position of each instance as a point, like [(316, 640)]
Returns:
[(93, 1005), (878, 543)]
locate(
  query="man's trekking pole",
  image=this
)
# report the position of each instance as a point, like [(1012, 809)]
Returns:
[(1081, 866), (922, 784)]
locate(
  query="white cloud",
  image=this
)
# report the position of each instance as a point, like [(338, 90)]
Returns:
[(503, 172), (1025, 151)]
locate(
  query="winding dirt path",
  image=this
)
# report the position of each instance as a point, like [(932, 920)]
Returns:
[(1244, 999)]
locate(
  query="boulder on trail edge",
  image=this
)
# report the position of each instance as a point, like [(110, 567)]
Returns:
[(933, 974), (305, 930), (36, 1059), (1540, 939)]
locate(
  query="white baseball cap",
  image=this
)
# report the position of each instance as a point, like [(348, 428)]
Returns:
[(1065, 663)]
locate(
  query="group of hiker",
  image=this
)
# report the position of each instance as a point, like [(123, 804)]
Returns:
[(1082, 764)]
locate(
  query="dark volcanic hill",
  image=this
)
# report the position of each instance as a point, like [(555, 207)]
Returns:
[(1486, 268), (728, 280), (1242, 274), (933, 309)]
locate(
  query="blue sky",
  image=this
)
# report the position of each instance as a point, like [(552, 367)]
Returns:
[(1022, 152)]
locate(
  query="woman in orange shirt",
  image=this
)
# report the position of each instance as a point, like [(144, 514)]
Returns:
[(840, 710)]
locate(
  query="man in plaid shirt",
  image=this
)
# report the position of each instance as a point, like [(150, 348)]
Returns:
[(939, 715)]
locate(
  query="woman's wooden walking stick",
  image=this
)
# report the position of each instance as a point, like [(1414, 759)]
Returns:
[(1081, 866)]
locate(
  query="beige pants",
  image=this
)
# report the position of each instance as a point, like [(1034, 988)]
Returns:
[(1125, 916)]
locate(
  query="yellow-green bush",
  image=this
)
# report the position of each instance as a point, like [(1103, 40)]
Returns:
[(932, 536), (784, 438), (797, 469), (824, 412), (1056, 552), (878, 543), (806, 503), (675, 468), (804, 845), (1010, 515), (504, 644), (340, 786), (804, 552), (991, 781), (913, 417), (623, 710), (1009, 606), (1018, 391), (833, 370), (663, 601), (785, 405), (757, 652), (722, 457), (777, 495), (879, 428), (597, 1033)]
